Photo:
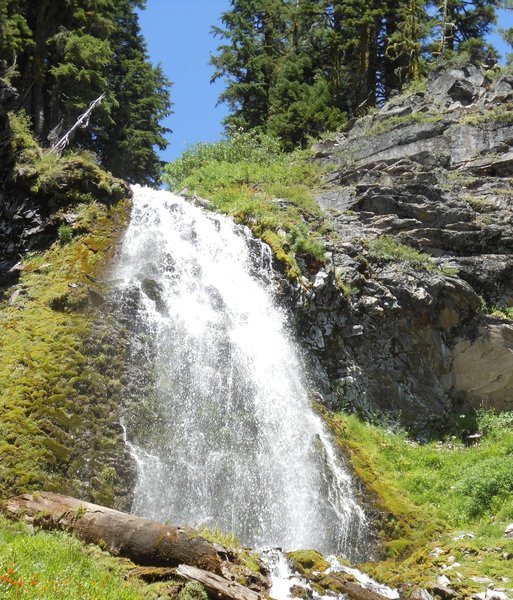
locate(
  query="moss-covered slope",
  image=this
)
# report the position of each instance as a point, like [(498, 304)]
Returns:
[(59, 359)]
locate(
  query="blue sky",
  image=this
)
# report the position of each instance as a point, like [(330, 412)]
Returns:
[(178, 37)]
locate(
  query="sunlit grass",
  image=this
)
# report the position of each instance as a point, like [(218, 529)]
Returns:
[(56, 566), (435, 492), (250, 178)]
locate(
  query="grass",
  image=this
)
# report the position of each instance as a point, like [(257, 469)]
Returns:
[(230, 540), (433, 492), (505, 312), (496, 115), (252, 179), (459, 179), (479, 203), (389, 249), (56, 566), (399, 121)]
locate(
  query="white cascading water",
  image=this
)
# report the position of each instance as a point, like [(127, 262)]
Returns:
[(226, 436)]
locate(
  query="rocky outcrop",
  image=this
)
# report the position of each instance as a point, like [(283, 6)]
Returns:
[(419, 195), (8, 98)]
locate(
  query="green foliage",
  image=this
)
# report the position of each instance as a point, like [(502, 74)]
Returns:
[(440, 479), (496, 115), (386, 125), (436, 490), (129, 138), (193, 590), (65, 233), (24, 145), (298, 69), (388, 248), (15, 34), (505, 312), (254, 147), (487, 487), (229, 540), (52, 566), (300, 104), (251, 178), (58, 180), (63, 55)]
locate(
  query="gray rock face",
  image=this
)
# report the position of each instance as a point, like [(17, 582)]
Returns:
[(22, 224), (408, 338)]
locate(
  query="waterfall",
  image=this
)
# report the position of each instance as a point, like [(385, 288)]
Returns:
[(221, 425)]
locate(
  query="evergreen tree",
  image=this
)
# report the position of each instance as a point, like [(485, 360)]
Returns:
[(126, 140), (507, 34), (68, 53), (303, 99), (15, 34), (256, 31), (297, 67), (406, 25), (461, 26)]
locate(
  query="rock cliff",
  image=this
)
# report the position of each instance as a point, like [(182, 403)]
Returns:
[(410, 316)]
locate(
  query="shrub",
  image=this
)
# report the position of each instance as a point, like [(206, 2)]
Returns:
[(252, 179), (65, 234), (486, 485), (388, 248), (249, 147)]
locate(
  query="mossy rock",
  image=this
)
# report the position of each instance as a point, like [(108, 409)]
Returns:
[(308, 561), (336, 582)]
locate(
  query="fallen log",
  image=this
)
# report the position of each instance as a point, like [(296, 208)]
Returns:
[(217, 587), (143, 541)]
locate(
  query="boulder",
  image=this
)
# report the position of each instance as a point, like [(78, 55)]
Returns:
[(482, 368)]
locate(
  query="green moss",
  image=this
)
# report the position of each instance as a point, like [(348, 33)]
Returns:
[(307, 561), (193, 590), (51, 378)]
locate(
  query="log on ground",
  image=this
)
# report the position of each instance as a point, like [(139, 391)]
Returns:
[(143, 541)]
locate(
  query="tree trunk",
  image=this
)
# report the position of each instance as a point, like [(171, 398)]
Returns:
[(141, 540)]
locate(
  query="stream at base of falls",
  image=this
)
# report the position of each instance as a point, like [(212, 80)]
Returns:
[(219, 420)]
